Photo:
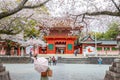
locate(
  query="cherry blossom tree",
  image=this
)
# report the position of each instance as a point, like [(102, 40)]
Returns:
[(22, 4), (98, 13)]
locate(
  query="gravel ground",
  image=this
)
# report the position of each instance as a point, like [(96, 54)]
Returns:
[(60, 72)]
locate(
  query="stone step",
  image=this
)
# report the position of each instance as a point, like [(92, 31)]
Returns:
[(82, 62), (76, 59), (73, 60), (27, 59), (15, 59), (61, 55)]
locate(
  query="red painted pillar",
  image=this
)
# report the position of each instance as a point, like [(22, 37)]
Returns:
[(40, 50), (18, 51), (81, 50), (54, 48), (67, 43), (66, 48), (72, 52), (11, 51)]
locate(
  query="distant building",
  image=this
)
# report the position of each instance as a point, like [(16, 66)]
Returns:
[(61, 39), (101, 47), (11, 48)]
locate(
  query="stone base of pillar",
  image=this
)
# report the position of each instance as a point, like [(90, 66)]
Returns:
[(114, 71), (4, 75)]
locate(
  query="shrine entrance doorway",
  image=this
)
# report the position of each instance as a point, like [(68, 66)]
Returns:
[(60, 47)]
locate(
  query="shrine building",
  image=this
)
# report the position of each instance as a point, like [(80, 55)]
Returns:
[(60, 40)]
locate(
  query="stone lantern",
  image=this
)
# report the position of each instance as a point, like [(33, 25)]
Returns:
[(4, 75), (114, 70)]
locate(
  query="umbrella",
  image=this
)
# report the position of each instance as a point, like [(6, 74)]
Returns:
[(41, 64), (28, 49)]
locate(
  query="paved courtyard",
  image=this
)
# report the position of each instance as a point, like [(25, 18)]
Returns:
[(60, 72)]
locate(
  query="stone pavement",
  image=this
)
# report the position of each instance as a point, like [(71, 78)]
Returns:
[(60, 72)]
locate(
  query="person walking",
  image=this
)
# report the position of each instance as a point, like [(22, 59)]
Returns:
[(49, 61), (53, 60), (99, 60), (76, 52), (31, 55), (42, 77), (56, 59), (30, 52)]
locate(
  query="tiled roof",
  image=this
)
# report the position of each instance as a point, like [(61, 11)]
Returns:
[(102, 42), (86, 37), (109, 42), (91, 42)]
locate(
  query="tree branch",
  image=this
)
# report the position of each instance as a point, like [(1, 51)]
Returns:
[(9, 32), (116, 5), (103, 13), (13, 11), (83, 16), (20, 7), (36, 6)]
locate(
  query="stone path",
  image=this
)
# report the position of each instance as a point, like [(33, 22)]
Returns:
[(60, 72)]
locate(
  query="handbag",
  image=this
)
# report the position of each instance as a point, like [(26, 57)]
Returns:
[(49, 73), (44, 74)]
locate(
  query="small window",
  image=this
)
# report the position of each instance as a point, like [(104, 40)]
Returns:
[(99, 48), (106, 48), (69, 46), (50, 46), (114, 49)]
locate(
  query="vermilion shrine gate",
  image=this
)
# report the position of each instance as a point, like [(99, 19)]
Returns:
[(59, 40)]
